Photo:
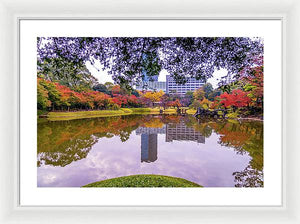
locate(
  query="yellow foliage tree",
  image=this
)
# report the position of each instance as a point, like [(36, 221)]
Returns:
[(205, 103), (154, 96)]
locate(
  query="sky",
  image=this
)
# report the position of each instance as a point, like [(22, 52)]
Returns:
[(103, 77)]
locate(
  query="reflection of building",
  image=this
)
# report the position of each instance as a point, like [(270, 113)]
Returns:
[(181, 132), (148, 147), (149, 142), (144, 130), (190, 86)]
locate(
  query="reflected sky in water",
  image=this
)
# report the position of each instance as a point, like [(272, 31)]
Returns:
[(210, 153)]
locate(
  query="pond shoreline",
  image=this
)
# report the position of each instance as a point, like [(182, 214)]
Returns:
[(72, 115), (251, 118), (61, 116)]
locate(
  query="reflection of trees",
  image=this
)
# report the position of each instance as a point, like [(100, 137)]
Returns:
[(155, 122), (249, 177), (61, 143), (199, 125), (244, 137), (69, 151), (170, 119)]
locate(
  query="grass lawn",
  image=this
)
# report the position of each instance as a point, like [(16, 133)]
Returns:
[(145, 180), (59, 116)]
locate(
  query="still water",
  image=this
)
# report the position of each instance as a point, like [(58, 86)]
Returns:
[(208, 152)]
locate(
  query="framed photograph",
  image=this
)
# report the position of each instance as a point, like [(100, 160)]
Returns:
[(144, 116), (157, 113)]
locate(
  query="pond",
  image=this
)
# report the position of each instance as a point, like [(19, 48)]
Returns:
[(212, 153)]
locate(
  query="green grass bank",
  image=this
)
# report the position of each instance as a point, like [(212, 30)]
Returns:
[(145, 180), (59, 116)]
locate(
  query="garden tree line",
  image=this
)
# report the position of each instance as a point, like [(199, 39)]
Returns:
[(65, 83), (54, 96), (246, 93), (128, 59)]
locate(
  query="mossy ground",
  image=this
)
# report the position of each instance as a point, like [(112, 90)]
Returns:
[(144, 180)]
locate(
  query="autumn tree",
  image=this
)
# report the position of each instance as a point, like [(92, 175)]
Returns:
[(195, 104), (120, 100), (255, 86), (238, 98), (65, 95), (153, 96), (133, 101), (175, 103), (205, 103), (164, 100), (54, 95), (199, 94)]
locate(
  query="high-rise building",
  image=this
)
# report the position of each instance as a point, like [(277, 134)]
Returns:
[(150, 83), (147, 78), (181, 89)]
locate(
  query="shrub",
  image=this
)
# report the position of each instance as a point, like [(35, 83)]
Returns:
[(232, 115)]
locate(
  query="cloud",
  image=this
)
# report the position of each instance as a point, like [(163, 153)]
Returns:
[(208, 164)]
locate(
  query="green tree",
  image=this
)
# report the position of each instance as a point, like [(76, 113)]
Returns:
[(42, 96), (214, 94), (53, 93), (101, 88), (109, 85), (74, 75), (208, 89)]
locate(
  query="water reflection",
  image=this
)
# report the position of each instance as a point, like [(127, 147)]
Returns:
[(181, 132), (211, 153), (148, 148)]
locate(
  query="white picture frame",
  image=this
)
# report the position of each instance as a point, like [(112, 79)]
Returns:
[(10, 12)]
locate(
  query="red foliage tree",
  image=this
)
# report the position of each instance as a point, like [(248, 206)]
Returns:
[(175, 103), (238, 98), (119, 100)]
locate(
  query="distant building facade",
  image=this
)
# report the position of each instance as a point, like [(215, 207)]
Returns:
[(152, 85), (190, 86)]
